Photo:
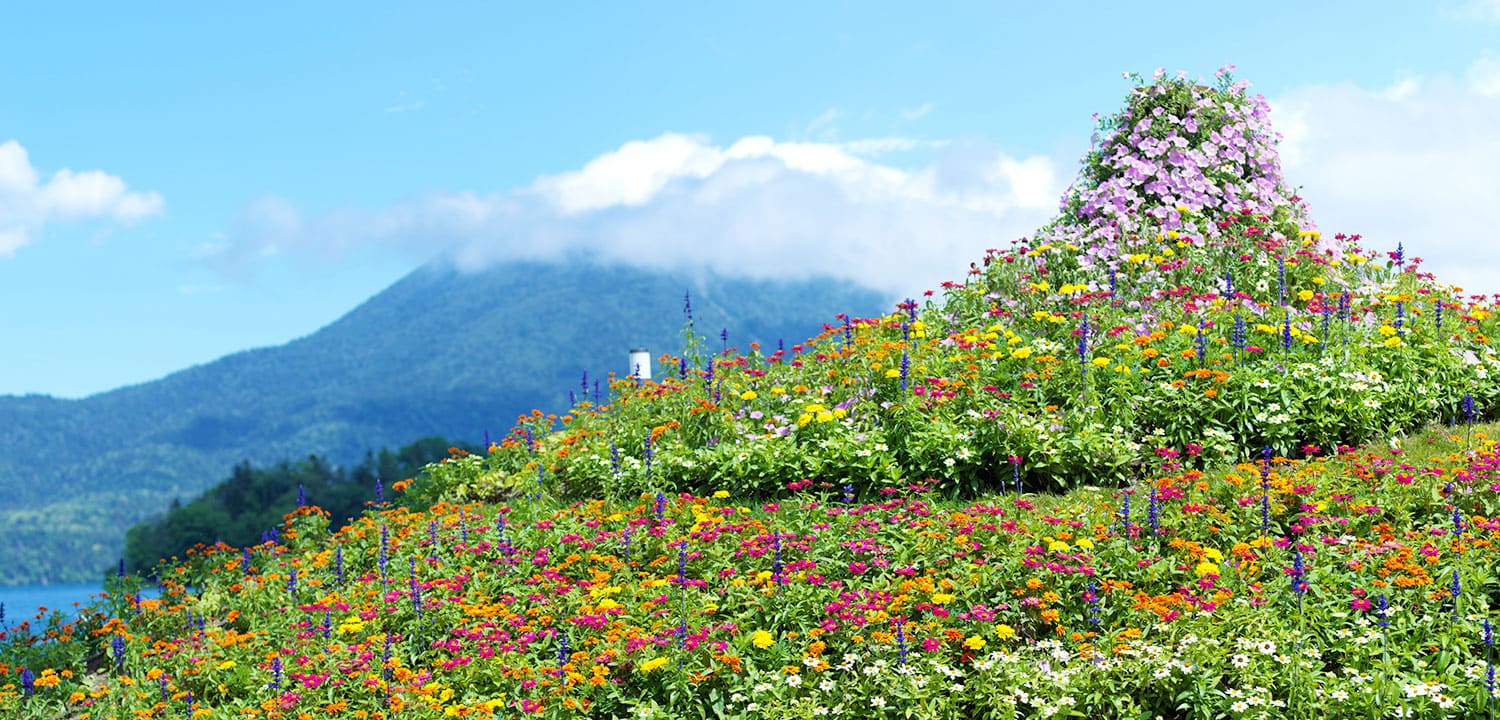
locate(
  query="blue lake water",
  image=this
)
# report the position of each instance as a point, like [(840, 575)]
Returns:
[(21, 602)]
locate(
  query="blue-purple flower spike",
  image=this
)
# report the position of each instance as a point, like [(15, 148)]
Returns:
[(1455, 589), (900, 643), (646, 454), (117, 645), (1489, 662), (1265, 489), (1281, 280), (1299, 576)]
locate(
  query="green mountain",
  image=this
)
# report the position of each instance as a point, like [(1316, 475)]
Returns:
[(440, 352)]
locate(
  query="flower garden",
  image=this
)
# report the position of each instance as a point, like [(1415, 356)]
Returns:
[(1178, 454)]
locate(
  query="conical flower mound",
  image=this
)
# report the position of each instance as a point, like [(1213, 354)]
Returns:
[(1179, 158), (1180, 310)]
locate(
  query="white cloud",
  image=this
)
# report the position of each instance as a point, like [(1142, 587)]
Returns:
[(916, 113), (757, 207), (27, 204), (1484, 74), (1485, 10), (1416, 163)]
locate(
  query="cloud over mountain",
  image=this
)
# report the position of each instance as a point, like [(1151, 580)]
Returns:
[(755, 208)]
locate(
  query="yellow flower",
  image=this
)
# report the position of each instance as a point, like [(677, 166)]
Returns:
[(1085, 543), (1207, 568), (653, 664), (1004, 632), (1021, 353), (1304, 295), (1101, 362), (1213, 554), (974, 642), (761, 639), (721, 494), (747, 395), (893, 373), (941, 598), (227, 665)]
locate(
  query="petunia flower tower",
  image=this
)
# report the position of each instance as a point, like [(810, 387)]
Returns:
[(1186, 176), (1181, 253)]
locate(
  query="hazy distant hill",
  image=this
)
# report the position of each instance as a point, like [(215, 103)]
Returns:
[(438, 353)]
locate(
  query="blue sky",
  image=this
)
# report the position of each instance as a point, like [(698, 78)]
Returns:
[(176, 186)]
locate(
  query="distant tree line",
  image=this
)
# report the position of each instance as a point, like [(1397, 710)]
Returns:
[(242, 509)]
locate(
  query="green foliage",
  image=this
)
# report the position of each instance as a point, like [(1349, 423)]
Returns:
[(251, 501)]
